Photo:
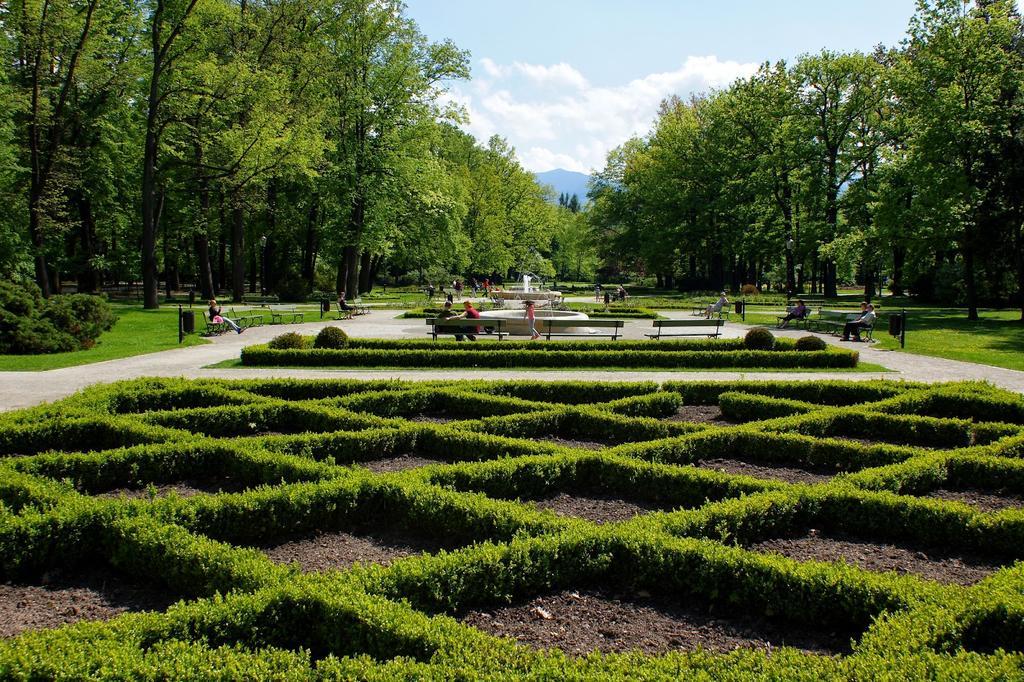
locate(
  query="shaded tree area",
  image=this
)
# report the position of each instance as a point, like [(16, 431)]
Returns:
[(906, 165), (261, 146)]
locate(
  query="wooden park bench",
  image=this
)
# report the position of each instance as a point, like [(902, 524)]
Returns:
[(550, 328), (278, 314), (462, 326), (701, 311), (834, 321), (710, 328), (213, 328), (246, 318), (798, 322)]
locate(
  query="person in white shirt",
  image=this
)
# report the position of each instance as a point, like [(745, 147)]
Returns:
[(866, 319), (716, 307)]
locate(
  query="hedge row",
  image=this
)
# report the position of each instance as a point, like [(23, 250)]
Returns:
[(482, 356), (534, 477)]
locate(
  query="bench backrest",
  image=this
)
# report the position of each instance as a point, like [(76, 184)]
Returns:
[(839, 315), (566, 324), (462, 323), (687, 323)]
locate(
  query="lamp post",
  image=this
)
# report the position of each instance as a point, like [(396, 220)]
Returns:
[(263, 265)]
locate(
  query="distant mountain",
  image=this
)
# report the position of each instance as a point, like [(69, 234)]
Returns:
[(569, 182)]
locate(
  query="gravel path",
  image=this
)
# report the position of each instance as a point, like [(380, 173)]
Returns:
[(24, 389)]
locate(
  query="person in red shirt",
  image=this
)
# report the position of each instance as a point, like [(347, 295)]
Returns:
[(470, 313)]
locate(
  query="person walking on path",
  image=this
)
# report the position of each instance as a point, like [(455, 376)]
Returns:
[(531, 316), (217, 318)]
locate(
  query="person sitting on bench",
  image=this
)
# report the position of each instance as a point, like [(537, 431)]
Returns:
[(217, 318), (343, 304), (865, 321), (798, 312), (716, 307), (446, 314)]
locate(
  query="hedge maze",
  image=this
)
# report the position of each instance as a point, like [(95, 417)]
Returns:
[(286, 529)]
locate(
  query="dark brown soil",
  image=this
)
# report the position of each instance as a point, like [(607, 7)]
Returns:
[(96, 595), (958, 569), (982, 500), (699, 414), (339, 550), (181, 489), (580, 444), (400, 463), (596, 508), (580, 622), (777, 472)]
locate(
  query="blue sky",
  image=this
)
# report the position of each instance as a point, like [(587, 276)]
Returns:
[(567, 80)]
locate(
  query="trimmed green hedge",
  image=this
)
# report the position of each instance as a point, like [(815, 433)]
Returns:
[(480, 355), (250, 618)]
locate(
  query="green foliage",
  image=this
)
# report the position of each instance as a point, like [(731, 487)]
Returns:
[(378, 622), (759, 338), (31, 325), (330, 337), (288, 341), (811, 343)]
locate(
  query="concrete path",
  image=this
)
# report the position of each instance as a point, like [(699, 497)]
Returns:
[(24, 389)]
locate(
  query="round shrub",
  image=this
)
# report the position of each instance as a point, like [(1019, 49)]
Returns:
[(331, 337), (289, 341), (811, 343), (759, 338), (30, 324), (749, 290)]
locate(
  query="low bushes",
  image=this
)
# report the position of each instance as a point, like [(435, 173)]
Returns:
[(331, 337), (509, 356), (759, 338), (287, 341), (31, 325)]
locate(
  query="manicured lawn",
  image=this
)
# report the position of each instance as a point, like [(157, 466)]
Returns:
[(136, 331), (996, 339)]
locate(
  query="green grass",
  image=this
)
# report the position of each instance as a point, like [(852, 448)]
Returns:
[(996, 339), (137, 331)]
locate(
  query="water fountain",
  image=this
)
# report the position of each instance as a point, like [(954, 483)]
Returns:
[(515, 297)]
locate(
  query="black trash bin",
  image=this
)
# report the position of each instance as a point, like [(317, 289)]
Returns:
[(895, 325), (188, 321), (739, 307)]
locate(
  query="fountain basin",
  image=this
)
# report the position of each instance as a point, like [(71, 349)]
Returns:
[(517, 323), (519, 294)]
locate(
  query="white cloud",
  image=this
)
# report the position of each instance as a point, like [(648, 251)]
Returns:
[(556, 119), (560, 74)]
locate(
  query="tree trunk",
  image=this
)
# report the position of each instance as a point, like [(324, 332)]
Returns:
[(364, 271), (339, 282), (659, 281), (969, 279), (149, 201), (202, 247), (88, 278), (352, 270), (309, 249), (899, 257), (869, 283), (375, 264), (237, 254)]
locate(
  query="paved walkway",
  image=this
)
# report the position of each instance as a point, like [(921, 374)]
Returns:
[(23, 389)]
